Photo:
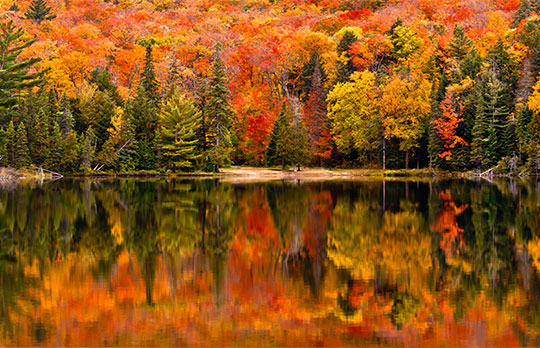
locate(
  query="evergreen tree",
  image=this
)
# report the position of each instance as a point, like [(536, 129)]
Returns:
[(22, 154), (465, 59), (218, 112), (11, 138), (3, 149), (69, 151), (55, 149), (145, 154), (65, 116), (149, 82), (526, 7), (102, 79), (40, 145), (272, 154), (178, 127), (87, 149), (315, 111), (39, 12), (533, 147), (127, 158), (293, 145), (345, 66), (15, 76)]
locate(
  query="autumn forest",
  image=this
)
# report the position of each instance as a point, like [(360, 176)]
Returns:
[(195, 85)]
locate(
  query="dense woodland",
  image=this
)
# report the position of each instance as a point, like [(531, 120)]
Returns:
[(185, 85)]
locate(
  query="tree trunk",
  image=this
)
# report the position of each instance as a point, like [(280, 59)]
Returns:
[(383, 154), (407, 159), (282, 164)]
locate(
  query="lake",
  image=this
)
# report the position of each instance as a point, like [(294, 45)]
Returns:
[(210, 263)]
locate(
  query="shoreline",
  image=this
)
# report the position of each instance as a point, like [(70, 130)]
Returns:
[(245, 173)]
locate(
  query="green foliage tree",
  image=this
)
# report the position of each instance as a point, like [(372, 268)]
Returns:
[(345, 66), (218, 112), (87, 149), (11, 136), (22, 153), (178, 126), (272, 154), (69, 151), (39, 11), (102, 79), (41, 146), (293, 145), (3, 149), (14, 75)]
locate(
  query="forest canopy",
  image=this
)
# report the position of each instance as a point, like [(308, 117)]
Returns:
[(189, 85)]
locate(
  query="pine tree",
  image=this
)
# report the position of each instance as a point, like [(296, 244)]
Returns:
[(479, 134), (22, 154), (39, 12), (15, 76), (345, 66), (465, 59), (127, 158), (218, 112), (533, 146), (272, 154), (178, 127)]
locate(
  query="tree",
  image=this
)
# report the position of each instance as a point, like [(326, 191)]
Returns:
[(345, 65), (69, 152), (293, 145), (87, 149), (218, 112), (3, 149), (315, 111), (14, 75), (272, 153), (447, 124), (404, 107), (178, 125), (22, 154), (39, 12), (149, 82), (40, 145), (526, 7), (354, 115), (11, 138)]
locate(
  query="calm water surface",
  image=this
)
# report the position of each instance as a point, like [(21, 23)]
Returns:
[(131, 262)]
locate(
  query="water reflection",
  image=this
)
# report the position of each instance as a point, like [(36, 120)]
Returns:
[(203, 262)]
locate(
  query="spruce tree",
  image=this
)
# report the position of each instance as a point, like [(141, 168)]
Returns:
[(178, 132), (315, 111), (272, 154), (56, 147), (39, 11), (293, 145), (3, 149), (22, 154), (40, 145), (65, 116), (15, 76), (11, 138), (219, 113), (149, 82), (69, 152), (102, 79), (345, 66), (87, 149)]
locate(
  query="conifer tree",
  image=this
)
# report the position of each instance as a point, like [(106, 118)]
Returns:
[(102, 79), (149, 82), (40, 145), (272, 152), (22, 154), (218, 112), (178, 126), (65, 116), (14, 76), (87, 149), (3, 149), (39, 11), (55, 148), (315, 113), (293, 144), (345, 66), (11, 136), (526, 7), (69, 152)]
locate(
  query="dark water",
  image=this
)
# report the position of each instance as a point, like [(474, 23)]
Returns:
[(127, 262)]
